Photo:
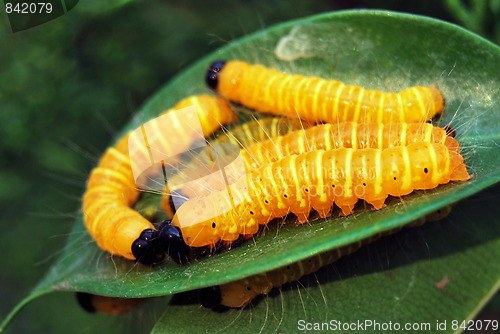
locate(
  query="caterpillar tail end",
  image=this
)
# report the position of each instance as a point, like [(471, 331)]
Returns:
[(437, 98), (457, 166), (212, 78)]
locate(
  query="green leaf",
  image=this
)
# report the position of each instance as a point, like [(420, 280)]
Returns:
[(374, 49)]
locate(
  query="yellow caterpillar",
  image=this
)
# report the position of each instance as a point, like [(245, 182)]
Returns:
[(108, 305), (319, 137), (316, 180), (316, 99), (111, 188)]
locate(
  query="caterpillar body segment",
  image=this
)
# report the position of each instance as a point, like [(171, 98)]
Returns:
[(242, 136), (111, 187), (106, 203), (212, 113), (319, 137), (258, 130), (315, 181), (241, 292), (107, 305), (315, 99)]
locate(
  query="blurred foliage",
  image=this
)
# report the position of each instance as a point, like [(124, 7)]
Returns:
[(68, 85), (479, 16)]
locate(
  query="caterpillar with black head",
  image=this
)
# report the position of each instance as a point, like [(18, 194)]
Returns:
[(111, 187), (316, 180), (320, 137), (241, 292), (316, 99)]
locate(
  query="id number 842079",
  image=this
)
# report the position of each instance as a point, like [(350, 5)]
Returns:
[(28, 8)]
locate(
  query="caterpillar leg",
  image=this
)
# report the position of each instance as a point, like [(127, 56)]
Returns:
[(346, 210), (302, 217), (346, 204), (325, 213), (378, 204), (460, 174)]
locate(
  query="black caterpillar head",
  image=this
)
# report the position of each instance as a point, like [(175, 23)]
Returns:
[(173, 243), (212, 78), (450, 131), (148, 248)]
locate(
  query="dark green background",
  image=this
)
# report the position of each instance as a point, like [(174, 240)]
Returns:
[(66, 87)]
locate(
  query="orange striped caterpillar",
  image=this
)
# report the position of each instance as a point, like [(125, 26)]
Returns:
[(345, 135), (108, 305), (111, 188), (241, 292), (315, 99), (316, 180), (321, 137), (241, 136)]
